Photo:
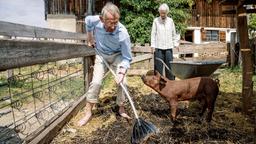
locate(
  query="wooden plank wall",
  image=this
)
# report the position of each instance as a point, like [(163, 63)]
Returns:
[(210, 15), (77, 7)]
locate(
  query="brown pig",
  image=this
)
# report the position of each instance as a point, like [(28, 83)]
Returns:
[(203, 89)]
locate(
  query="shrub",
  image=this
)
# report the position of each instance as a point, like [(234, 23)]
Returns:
[(138, 15)]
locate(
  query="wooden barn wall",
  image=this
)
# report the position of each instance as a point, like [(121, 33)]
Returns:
[(100, 3), (205, 14), (77, 7)]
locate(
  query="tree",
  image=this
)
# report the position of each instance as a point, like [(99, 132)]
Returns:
[(252, 26), (138, 16)]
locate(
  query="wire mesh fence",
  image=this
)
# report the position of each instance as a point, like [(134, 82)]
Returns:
[(33, 97)]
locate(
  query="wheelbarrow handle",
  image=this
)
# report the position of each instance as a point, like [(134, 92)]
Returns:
[(121, 84)]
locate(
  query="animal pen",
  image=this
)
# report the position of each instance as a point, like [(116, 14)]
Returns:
[(44, 75)]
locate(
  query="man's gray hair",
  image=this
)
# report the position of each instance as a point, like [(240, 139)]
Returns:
[(110, 8), (164, 7)]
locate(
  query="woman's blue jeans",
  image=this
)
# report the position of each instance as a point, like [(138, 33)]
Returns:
[(166, 56)]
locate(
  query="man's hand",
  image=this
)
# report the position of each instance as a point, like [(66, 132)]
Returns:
[(90, 40), (91, 44), (120, 74)]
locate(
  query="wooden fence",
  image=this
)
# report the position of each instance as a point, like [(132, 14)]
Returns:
[(38, 70), (27, 46), (45, 73)]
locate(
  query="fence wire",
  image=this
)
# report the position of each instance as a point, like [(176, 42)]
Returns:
[(32, 97)]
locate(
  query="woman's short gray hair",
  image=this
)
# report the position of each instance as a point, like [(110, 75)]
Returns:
[(164, 7), (110, 8)]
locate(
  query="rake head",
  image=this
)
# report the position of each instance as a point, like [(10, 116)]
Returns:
[(142, 130)]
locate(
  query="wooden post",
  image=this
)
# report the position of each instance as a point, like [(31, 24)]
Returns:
[(151, 61), (229, 55), (237, 57), (254, 129), (254, 57), (247, 84), (88, 71), (232, 50), (10, 72)]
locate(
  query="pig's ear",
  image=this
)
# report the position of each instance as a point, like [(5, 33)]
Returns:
[(162, 83)]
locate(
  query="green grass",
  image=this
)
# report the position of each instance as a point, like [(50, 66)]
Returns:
[(231, 80)]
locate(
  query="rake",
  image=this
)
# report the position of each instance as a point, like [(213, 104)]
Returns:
[(142, 130)]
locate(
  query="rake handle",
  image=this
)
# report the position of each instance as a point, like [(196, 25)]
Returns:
[(121, 84)]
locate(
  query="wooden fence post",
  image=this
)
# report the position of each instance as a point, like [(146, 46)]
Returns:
[(247, 85), (254, 56), (10, 72), (254, 129), (233, 55), (229, 55), (88, 71)]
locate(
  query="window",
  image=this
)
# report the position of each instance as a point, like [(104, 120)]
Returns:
[(212, 35)]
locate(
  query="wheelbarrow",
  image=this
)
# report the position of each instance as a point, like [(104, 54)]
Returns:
[(189, 69)]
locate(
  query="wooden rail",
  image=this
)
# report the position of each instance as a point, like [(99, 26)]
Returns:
[(19, 30), (15, 53)]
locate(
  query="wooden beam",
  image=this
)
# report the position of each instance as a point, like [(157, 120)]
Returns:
[(142, 49), (249, 2), (228, 2), (251, 11), (247, 84), (19, 30), (227, 12), (141, 58), (14, 54), (136, 72)]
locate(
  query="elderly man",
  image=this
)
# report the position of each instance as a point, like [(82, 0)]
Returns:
[(113, 42), (163, 40)]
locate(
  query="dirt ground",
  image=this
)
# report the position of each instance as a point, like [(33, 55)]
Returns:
[(227, 127)]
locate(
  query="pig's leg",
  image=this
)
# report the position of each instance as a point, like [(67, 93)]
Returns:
[(204, 106), (173, 105), (210, 106)]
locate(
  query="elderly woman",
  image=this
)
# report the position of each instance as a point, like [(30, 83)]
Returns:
[(163, 40)]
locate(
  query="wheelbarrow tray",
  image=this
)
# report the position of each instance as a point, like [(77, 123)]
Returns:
[(189, 69)]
